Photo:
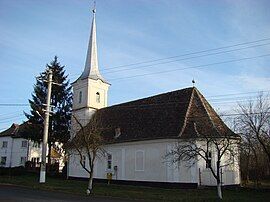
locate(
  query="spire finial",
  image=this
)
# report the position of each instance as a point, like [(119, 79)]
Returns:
[(193, 82), (94, 8)]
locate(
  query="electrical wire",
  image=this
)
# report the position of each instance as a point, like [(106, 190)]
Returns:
[(192, 67), (190, 53), (182, 59), (187, 54)]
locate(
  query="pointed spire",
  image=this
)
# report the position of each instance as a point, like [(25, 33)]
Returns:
[(91, 69)]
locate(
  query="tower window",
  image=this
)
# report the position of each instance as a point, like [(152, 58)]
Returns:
[(80, 97), (97, 97)]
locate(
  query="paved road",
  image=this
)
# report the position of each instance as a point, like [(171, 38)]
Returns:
[(9, 193)]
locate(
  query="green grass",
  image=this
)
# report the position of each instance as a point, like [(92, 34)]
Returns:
[(136, 192)]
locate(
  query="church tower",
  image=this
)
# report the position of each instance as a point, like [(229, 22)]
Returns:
[(90, 90)]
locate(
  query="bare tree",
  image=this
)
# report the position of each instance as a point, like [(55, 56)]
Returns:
[(254, 123), (192, 150), (250, 152), (88, 145)]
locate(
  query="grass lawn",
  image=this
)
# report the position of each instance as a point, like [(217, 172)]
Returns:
[(136, 192)]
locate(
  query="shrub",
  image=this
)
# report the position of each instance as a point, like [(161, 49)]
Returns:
[(15, 171)]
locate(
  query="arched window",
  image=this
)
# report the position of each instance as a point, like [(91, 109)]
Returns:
[(97, 97), (80, 97)]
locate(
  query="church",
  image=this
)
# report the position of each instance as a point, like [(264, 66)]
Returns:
[(144, 130)]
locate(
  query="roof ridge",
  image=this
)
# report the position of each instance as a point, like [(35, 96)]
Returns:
[(187, 112), (204, 107), (151, 96)]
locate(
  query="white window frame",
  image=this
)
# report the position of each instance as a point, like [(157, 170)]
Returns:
[(143, 162)]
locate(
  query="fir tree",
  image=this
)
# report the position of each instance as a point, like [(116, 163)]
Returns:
[(61, 102)]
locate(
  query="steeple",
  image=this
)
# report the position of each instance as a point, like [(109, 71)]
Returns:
[(91, 65)]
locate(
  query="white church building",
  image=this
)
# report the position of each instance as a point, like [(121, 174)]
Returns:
[(144, 130)]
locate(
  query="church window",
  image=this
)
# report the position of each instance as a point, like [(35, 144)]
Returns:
[(24, 143), (80, 97), (5, 144), (109, 161), (208, 156), (139, 160), (97, 97), (3, 161)]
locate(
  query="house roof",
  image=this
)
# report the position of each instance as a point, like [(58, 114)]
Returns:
[(13, 131), (179, 114)]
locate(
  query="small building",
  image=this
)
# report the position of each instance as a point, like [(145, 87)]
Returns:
[(16, 150)]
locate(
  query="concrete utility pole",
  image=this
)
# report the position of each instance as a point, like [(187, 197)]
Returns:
[(45, 131)]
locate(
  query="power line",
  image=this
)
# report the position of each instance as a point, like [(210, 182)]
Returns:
[(190, 53), (186, 54), (211, 98), (182, 59), (10, 114), (10, 117), (192, 67), (164, 104), (252, 92), (3, 128), (13, 105), (10, 120), (221, 115)]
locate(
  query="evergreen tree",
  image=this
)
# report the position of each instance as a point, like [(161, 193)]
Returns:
[(61, 102)]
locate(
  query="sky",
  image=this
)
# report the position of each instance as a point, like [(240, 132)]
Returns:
[(130, 33)]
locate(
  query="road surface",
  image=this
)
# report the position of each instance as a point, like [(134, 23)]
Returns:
[(10, 193)]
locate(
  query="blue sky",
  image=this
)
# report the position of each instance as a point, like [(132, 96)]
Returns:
[(129, 31)]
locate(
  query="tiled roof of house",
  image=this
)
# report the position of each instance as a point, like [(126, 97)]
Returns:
[(179, 114), (13, 131)]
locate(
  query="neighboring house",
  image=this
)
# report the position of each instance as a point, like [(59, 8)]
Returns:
[(142, 131), (15, 150)]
